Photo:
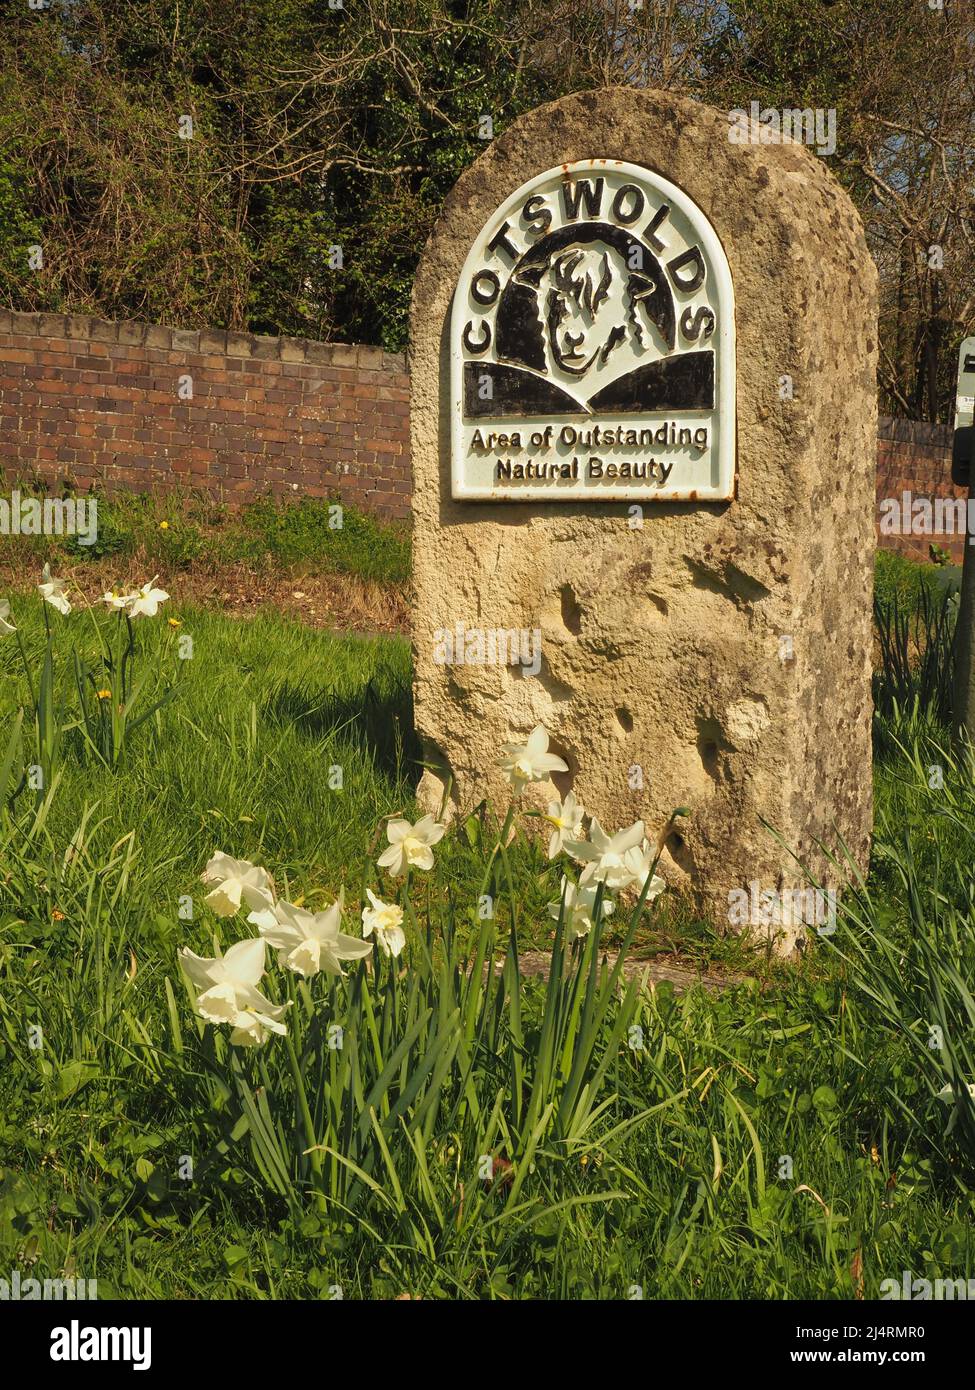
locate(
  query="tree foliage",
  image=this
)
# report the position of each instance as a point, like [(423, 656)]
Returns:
[(325, 137)]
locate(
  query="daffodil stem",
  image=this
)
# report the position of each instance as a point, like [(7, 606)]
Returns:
[(502, 839), (306, 1119), (30, 679)]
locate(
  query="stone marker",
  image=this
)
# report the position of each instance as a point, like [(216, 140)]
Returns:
[(644, 429)]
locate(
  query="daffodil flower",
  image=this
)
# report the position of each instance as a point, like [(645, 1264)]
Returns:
[(146, 601), (947, 1093), (386, 920), (118, 598), (639, 863), (236, 881), (308, 942), (531, 761), (410, 846), (604, 855), (580, 908), (6, 626), (566, 817), (226, 992), (52, 591)]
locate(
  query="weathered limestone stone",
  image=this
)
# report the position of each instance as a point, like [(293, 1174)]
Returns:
[(718, 658)]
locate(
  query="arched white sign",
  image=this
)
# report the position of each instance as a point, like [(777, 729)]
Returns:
[(593, 345)]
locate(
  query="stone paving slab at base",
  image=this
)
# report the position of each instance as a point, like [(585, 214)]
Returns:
[(535, 965)]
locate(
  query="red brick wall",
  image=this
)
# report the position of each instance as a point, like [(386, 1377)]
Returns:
[(98, 404), (916, 458)]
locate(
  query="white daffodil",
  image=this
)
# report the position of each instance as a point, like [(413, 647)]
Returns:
[(386, 920), (639, 862), (566, 817), (603, 855), (226, 992), (52, 591), (6, 626), (410, 846), (146, 601), (580, 908), (947, 1093), (119, 598), (307, 942), (236, 881), (531, 761)]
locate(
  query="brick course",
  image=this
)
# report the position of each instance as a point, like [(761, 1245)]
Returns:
[(915, 457), (99, 404)]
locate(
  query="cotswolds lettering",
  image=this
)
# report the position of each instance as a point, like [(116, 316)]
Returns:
[(592, 344)]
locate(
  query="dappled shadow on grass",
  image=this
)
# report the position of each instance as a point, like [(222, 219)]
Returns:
[(377, 719)]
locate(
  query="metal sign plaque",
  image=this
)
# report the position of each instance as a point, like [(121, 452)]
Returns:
[(592, 342)]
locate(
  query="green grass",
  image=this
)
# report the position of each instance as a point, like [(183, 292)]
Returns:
[(782, 1139), (175, 532), (901, 580), (263, 709)]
